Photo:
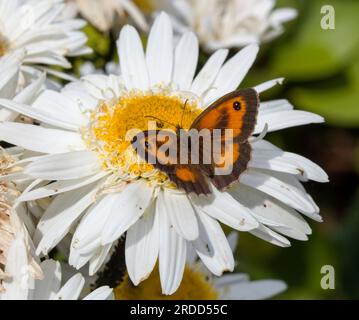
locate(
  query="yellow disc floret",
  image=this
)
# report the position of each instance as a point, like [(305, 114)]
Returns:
[(194, 286), (112, 122)]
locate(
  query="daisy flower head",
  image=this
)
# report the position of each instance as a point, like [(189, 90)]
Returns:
[(230, 23), (18, 262), (102, 189), (36, 30), (105, 13), (199, 284)]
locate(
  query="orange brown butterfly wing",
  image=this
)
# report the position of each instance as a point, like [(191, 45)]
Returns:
[(236, 111), (186, 176), (190, 178)]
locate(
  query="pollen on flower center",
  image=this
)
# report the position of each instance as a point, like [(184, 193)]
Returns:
[(112, 122), (194, 286)]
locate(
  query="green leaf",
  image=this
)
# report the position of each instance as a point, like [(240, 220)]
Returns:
[(314, 53), (98, 41), (338, 104)]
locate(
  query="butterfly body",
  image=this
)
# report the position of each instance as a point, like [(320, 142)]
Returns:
[(215, 148)]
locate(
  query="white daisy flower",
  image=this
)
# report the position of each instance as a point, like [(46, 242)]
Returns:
[(35, 30), (102, 14), (199, 284), (49, 288), (16, 249), (103, 191), (230, 23)]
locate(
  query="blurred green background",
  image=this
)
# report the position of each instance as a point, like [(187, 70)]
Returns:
[(321, 68)]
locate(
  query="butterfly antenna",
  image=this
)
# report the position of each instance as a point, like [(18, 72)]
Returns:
[(158, 119)]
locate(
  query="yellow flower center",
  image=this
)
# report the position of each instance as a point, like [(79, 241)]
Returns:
[(4, 45), (194, 286), (112, 122)]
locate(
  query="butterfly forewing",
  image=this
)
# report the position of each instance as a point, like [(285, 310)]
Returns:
[(236, 111), (234, 116)]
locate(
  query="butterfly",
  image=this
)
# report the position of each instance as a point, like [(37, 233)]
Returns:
[(235, 112)]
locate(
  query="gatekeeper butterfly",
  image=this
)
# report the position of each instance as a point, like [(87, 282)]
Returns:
[(235, 112)]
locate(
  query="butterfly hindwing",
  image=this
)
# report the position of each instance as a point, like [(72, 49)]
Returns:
[(186, 176), (239, 165), (191, 179)]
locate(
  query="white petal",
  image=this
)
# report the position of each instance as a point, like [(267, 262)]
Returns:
[(284, 192), (132, 59), (268, 85), (130, 206), (31, 92), (181, 213), (221, 206), (10, 66), (267, 156), (78, 260), (232, 240), (273, 213), (159, 53), (282, 15), (186, 58), (253, 290), (40, 139), (47, 288), (61, 215), (204, 80), (296, 184), (273, 160), (98, 259), (232, 73), (270, 236), (272, 106), (278, 120), (18, 284), (229, 279), (72, 288), (172, 254), (76, 91), (142, 245), (95, 85), (87, 237), (135, 13), (56, 109), (212, 246), (102, 293), (65, 166), (58, 187)]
